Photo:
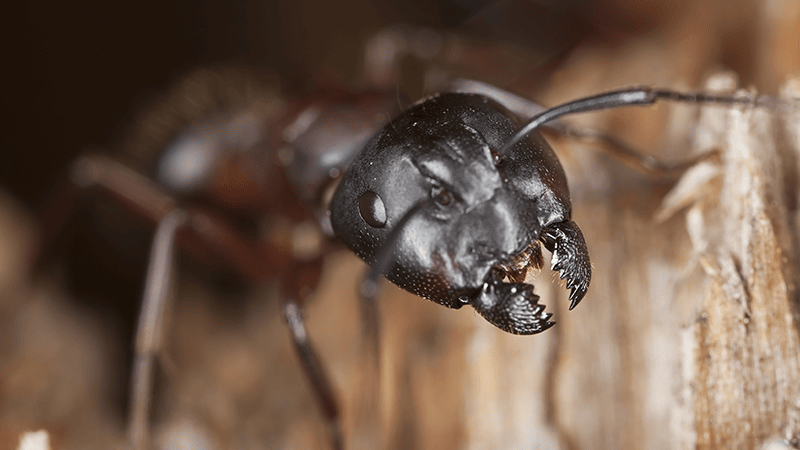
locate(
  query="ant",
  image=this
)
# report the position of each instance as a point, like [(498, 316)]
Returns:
[(451, 200)]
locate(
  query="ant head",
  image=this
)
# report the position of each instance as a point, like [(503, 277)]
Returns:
[(482, 213)]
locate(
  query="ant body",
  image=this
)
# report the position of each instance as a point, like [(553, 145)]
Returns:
[(450, 200)]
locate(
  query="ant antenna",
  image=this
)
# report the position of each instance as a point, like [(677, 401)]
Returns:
[(370, 331), (637, 96), (369, 287)]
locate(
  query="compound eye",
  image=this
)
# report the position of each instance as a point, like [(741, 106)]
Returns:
[(441, 195), (372, 209), (497, 159)]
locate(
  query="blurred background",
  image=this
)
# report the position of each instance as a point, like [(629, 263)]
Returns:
[(81, 74), (77, 72)]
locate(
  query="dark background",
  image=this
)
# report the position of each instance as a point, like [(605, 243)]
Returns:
[(77, 70)]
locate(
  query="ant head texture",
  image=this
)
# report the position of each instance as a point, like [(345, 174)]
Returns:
[(446, 216)]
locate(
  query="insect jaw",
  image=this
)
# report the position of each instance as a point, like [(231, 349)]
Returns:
[(506, 301), (512, 307), (509, 269), (514, 268)]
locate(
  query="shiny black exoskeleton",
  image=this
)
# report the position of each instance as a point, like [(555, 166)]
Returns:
[(460, 221)]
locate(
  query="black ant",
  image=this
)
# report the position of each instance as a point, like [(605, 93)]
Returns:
[(450, 200)]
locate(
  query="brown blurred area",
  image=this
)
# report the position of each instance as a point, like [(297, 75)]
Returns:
[(80, 73)]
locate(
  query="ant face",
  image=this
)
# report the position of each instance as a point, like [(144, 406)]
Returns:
[(483, 215)]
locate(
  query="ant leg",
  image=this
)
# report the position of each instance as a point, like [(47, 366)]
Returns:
[(634, 158), (150, 328), (368, 425), (297, 283), (369, 286), (209, 236), (201, 234), (320, 383), (132, 189), (368, 435), (151, 324)]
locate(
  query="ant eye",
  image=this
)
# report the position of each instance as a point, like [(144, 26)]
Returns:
[(441, 195), (497, 158), (372, 209)]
